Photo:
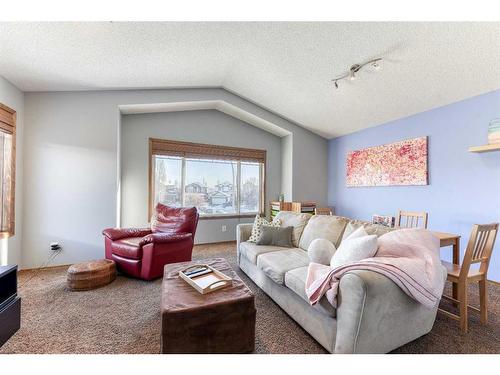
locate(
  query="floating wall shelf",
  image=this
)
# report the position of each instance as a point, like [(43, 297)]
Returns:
[(485, 148)]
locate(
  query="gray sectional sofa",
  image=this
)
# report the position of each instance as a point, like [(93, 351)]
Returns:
[(373, 316)]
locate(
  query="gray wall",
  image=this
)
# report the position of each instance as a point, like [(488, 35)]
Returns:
[(71, 164), (287, 166), (209, 126), (310, 161), (11, 248)]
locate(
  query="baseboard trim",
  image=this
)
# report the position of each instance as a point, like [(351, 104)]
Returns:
[(216, 243), (43, 268), (67, 265)]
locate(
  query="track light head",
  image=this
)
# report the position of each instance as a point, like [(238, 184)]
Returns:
[(354, 69), (376, 65)]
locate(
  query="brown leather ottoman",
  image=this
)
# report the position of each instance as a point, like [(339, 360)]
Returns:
[(219, 322), (91, 275)]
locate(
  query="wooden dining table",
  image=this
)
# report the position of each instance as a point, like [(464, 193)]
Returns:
[(446, 240)]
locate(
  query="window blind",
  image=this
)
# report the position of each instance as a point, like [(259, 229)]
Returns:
[(201, 150)]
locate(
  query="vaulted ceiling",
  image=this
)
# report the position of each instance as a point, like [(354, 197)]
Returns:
[(285, 67)]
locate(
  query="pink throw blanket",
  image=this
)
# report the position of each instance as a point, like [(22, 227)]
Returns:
[(409, 257)]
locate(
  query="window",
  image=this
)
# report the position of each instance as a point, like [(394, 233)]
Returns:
[(168, 178), (211, 186), (249, 187), (7, 170), (220, 181)]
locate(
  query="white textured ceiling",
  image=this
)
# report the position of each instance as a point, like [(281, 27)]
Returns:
[(286, 67)]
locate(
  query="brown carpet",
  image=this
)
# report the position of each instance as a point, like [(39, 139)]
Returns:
[(124, 317)]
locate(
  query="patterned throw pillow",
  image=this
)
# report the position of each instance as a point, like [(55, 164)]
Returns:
[(257, 227)]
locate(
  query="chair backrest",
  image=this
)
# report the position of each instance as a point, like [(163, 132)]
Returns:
[(168, 219), (409, 219), (479, 248), (323, 211)]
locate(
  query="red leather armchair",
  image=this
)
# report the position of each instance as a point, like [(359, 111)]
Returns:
[(143, 253)]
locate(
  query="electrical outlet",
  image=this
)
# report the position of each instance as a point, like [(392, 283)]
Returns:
[(54, 246), (224, 228)]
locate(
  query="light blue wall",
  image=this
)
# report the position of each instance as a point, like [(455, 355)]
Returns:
[(464, 187)]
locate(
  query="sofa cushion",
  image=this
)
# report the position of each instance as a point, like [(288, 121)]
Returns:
[(295, 280), (296, 220), (370, 228), (127, 248), (276, 264), (323, 226), (251, 250)]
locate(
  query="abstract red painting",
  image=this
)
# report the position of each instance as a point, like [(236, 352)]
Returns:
[(400, 163)]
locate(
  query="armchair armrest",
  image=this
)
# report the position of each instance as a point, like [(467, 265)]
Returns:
[(165, 238), (119, 233)]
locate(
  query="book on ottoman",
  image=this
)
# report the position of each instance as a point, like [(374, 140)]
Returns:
[(219, 322)]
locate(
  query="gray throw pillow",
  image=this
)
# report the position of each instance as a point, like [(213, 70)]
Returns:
[(276, 236)]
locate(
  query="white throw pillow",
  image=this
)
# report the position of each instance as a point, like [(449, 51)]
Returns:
[(349, 229), (321, 251), (354, 232), (257, 227), (353, 249)]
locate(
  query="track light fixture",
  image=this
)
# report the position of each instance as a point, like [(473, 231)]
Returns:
[(354, 69)]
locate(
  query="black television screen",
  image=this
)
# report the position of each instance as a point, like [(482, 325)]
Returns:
[(8, 283)]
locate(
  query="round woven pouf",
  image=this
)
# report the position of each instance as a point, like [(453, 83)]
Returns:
[(91, 275)]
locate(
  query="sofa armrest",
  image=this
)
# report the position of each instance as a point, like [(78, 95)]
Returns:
[(375, 316), (165, 238), (119, 233), (243, 232)]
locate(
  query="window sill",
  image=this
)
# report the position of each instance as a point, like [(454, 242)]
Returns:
[(219, 217), (6, 235)]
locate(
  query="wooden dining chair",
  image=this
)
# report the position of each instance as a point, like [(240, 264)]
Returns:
[(323, 211), (478, 250), (409, 219)]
